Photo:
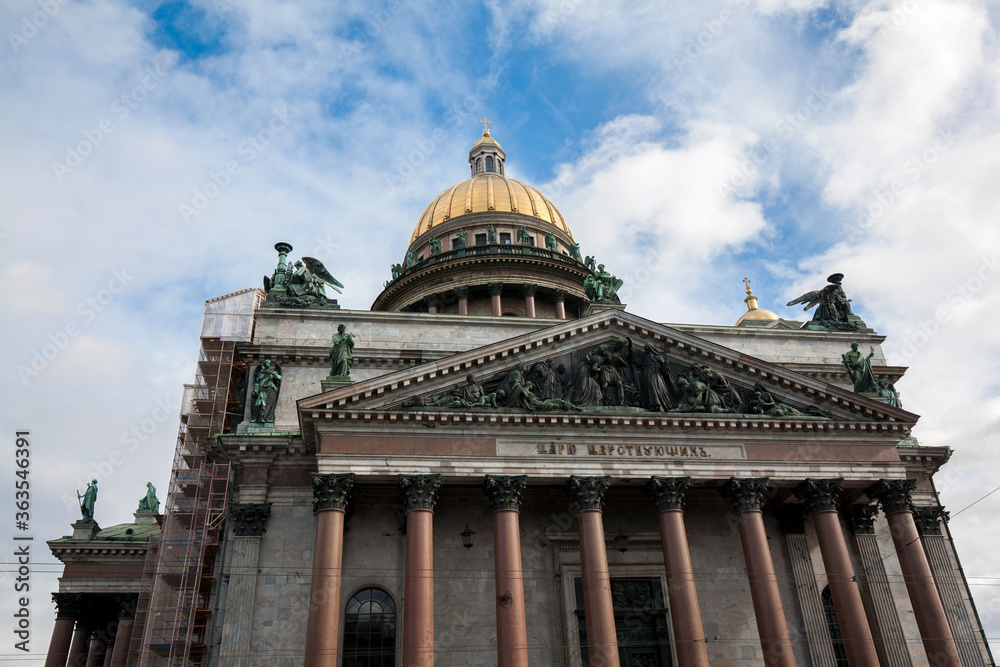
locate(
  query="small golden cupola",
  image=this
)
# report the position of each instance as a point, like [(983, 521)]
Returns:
[(489, 245), (754, 316), (486, 155)]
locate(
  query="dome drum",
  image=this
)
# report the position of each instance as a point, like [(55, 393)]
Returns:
[(509, 265), (476, 227)]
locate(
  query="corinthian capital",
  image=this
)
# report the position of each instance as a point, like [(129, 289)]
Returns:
[(249, 518), (928, 519), (861, 518), (332, 492), (68, 605), (746, 494), (420, 492), (504, 491), (893, 494), (820, 495), (667, 493), (587, 493)]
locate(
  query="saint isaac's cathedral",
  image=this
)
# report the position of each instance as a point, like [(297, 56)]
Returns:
[(500, 464)]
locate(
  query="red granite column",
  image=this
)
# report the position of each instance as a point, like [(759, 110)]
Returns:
[(117, 655), (78, 649), (820, 496), (496, 289), (504, 494), (433, 304), (331, 494), (685, 615), (67, 610), (894, 496), (62, 635), (560, 304), (419, 499), (529, 299), (747, 499), (95, 656), (123, 639), (587, 502), (462, 293)]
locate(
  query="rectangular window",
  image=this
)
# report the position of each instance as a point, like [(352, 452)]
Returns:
[(504, 237), (480, 239), (640, 622)]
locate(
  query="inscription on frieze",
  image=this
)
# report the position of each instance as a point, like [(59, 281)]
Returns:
[(618, 451)]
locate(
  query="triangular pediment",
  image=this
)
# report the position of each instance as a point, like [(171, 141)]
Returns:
[(733, 385)]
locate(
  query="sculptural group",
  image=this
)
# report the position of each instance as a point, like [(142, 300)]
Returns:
[(859, 368), (299, 284), (601, 286), (616, 375)]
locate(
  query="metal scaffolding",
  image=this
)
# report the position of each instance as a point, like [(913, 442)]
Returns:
[(174, 612)]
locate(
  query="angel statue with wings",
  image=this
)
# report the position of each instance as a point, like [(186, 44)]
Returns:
[(305, 285), (833, 307)]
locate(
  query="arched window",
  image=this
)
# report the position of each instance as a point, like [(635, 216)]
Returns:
[(833, 626), (370, 630), (489, 163), (479, 165)]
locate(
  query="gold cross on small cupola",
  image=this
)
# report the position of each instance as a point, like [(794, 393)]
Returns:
[(486, 126)]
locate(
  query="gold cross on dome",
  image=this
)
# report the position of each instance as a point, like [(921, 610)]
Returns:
[(486, 125), (746, 281)]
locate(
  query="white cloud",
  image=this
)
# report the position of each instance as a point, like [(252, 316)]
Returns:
[(666, 211)]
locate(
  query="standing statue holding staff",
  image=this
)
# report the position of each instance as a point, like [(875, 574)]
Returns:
[(87, 501)]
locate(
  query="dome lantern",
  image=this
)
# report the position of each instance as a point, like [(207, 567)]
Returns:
[(486, 155)]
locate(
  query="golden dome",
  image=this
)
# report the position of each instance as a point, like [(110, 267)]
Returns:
[(489, 192), (753, 312)]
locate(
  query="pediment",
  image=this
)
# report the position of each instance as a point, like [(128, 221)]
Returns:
[(733, 385)]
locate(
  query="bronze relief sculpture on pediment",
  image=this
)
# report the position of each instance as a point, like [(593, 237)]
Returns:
[(616, 376)]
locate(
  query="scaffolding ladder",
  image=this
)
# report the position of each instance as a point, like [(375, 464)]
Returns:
[(173, 618)]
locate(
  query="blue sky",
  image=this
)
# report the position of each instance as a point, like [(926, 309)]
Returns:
[(781, 140)]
